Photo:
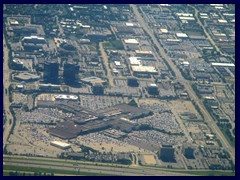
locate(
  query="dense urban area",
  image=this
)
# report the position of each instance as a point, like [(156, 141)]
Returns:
[(108, 89)]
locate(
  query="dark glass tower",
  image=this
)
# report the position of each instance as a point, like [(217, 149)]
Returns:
[(50, 74), (70, 73)]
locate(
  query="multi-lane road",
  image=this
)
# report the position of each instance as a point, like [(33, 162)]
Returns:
[(186, 83), (97, 168)]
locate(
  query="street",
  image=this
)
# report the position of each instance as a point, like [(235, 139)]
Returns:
[(187, 85)]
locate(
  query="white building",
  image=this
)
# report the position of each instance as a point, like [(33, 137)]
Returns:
[(61, 145), (131, 41)]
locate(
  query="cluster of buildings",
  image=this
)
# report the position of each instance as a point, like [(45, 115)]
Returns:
[(76, 51)]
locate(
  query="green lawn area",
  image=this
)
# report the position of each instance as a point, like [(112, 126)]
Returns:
[(5, 173), (74, 162), (46, 170), (209, 173), (232, 142), (114, 45)]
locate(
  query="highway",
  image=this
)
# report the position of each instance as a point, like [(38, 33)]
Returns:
[(69, 165), (6, 83), (180, 78)]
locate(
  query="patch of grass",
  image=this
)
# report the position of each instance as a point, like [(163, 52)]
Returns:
[(208, 173), (115, 45), (75, 162), (224, 131), (5, 173), (46, 170)]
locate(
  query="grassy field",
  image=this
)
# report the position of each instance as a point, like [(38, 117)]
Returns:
[(114, 45), (209, 173), (232, 142), (76, 162), (46, 170)]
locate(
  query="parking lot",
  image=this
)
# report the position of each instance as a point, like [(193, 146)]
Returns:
[(152, 140), (100, 102), (41, 115), (103, 143)]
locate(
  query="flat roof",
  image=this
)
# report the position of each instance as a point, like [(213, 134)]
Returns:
[(165, 5), (27, 76), (216, 4), (181, 35), (131, 41), (134, 61), (173, 40), (185, 63), (129, 24), (143, 52), (223, 64), (59, 143), (228, 14), (184, 14), (204, 17), (33, 37), (63, 96), (164, 30), (186, 18), (222, 20), (150, 69), (153, 85), (117, 63), (93, 79)]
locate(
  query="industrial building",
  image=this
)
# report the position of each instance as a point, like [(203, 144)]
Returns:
[(144, 70), (34, 39), (223, 64), (47, 87), (93, 80), (116, 117), (66, 97), (51, 100), (134, 61), (144, 53), (60, 144), (131, 41), (26, 77)]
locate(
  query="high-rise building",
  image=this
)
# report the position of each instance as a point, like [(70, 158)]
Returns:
[(153, 89), (133, 82), (98, 89), (50, 74), (166, 154), (188, 152), (70, 73)]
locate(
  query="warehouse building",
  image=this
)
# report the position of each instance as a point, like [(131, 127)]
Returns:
[(26, 77), (144, 53), (60, 144), (134, 61), (93, 80), (34, 39), (144, 70), (131, 41)]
